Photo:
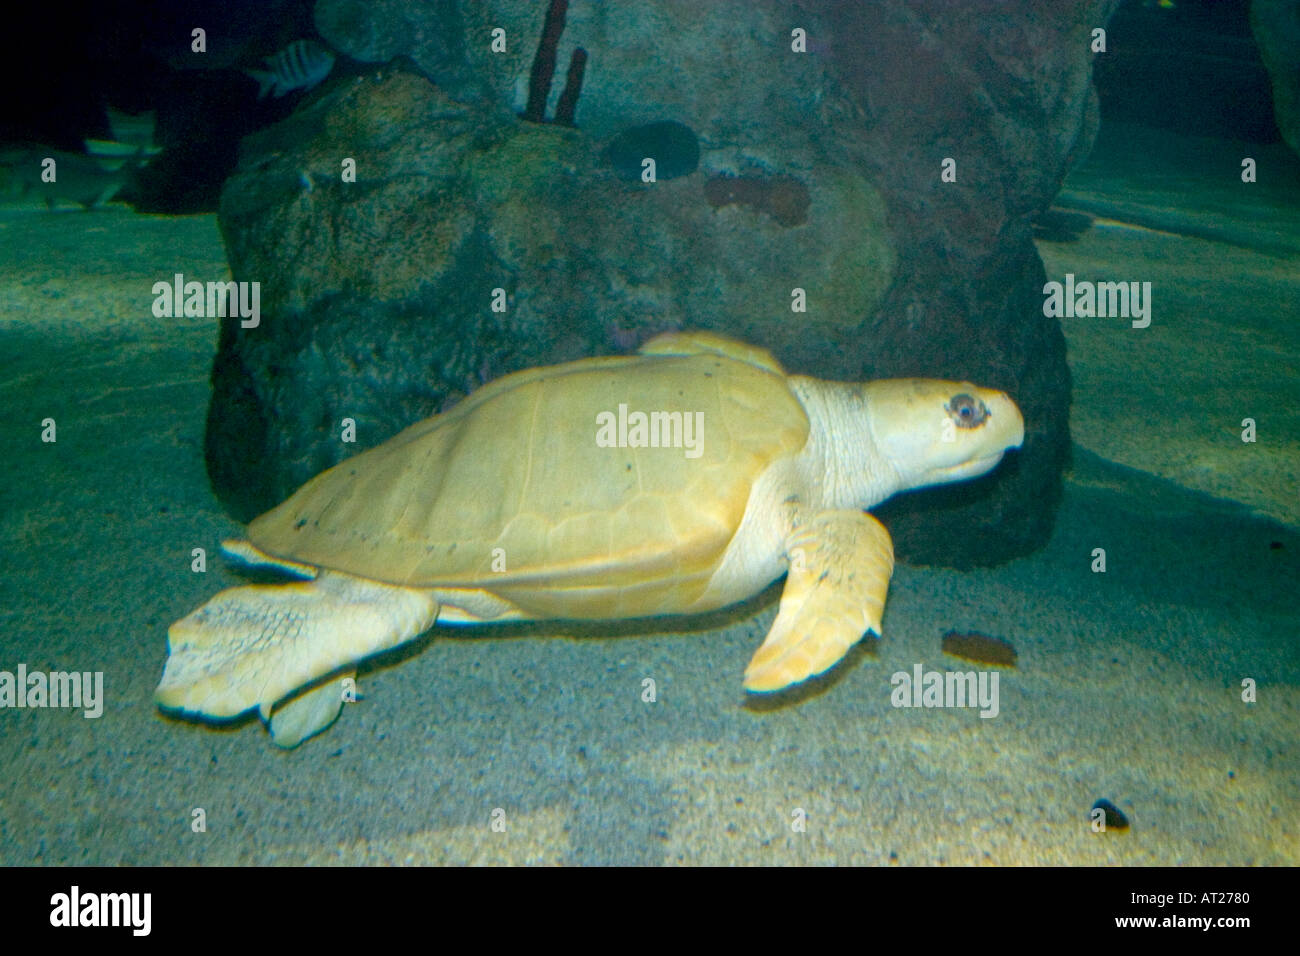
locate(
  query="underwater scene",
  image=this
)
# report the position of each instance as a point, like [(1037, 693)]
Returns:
[(644, 432)]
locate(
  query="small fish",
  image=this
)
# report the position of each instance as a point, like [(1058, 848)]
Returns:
[(132, 138), (299, 66), (88, 181)]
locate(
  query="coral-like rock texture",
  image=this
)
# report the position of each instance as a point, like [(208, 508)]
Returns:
[(784, 198)]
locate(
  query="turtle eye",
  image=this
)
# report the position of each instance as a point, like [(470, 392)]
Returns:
[(967, 411)]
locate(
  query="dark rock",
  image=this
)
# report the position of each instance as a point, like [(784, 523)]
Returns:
[(1015, 109), (1276, 25), (375, 294), (430, 32), (656, 58), (674, 147), (1113, 817)]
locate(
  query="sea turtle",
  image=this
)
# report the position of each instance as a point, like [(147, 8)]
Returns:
[(678, 480)]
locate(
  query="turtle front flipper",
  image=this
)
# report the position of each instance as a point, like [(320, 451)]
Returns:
[(254, 646), (840, 566)]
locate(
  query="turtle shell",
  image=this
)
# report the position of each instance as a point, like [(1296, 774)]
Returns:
[(540, 489)]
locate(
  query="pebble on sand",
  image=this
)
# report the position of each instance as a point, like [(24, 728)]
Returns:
[(979, 647), (1114, 817)]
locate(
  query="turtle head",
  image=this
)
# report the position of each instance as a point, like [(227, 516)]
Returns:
[(934, 432)]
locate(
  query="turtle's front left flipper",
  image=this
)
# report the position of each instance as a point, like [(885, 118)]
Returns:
[(840, 566)]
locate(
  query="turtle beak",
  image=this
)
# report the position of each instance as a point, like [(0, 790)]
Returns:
[(969, 469), (1012, 422)]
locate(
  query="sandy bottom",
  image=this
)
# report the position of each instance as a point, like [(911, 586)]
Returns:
[(1128, 684)]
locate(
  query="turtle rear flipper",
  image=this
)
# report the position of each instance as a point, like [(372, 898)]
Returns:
[(306, 715), (253, 646)]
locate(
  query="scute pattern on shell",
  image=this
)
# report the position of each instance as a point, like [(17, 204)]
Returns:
[(514, 474)]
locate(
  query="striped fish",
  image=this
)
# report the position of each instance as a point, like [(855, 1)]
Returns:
[(299, 66)]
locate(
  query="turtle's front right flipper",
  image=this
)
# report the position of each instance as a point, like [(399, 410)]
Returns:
[(840, 566), (253, 646)]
